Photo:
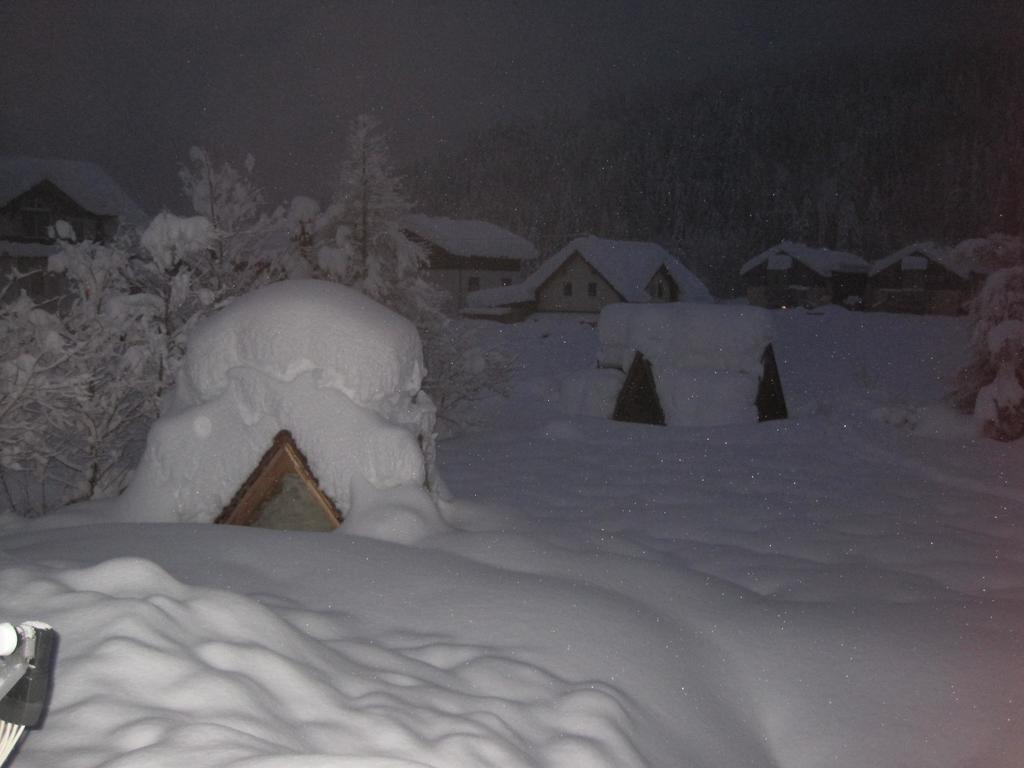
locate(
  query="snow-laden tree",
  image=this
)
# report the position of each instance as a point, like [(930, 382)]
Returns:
[(115, 352), (991, 384), (362, 244), (247, 246), (165, 271)]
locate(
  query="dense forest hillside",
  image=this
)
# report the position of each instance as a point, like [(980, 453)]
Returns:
[(862, 154)]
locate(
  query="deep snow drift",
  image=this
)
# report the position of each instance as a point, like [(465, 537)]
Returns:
[(843, 588)]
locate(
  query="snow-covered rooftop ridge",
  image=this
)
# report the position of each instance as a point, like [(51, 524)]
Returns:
[(820, 260), (468, 237), (628, 265), (910, 257), (968, 256), (84, 182)]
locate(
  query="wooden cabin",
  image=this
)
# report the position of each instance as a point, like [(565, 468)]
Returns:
[(36, 193), (922, 278), (796, 275)]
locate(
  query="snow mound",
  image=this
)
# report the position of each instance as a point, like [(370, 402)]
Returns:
[(685, 335), (706, 359), (352, 343), (339, 371), (592, 392)]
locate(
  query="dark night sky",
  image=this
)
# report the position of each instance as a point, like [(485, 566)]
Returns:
[(132, 84)]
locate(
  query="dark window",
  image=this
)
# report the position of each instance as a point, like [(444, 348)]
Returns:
[(567, 289), (473, 284), (35, 222), (659, 290), (591, 289)]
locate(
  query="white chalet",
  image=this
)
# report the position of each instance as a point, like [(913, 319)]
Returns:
[(588, 274)]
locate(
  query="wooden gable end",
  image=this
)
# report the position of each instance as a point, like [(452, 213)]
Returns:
[(27, 217), (662, 281), (282, 493)]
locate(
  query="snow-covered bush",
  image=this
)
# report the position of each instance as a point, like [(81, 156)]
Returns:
[(462, 371), (37, 398), (115, 351), (990, 384), (78, 381)]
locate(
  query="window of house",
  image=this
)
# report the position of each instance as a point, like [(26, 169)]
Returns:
[(567, 289), (659, 290), (473, 284), (592, 289), (506, 281)]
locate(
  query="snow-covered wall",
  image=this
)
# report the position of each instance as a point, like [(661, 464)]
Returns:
[(338, 370)]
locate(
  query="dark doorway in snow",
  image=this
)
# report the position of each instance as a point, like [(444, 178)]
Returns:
[(282, 493)]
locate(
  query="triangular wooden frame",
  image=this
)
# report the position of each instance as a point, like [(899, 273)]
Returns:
[(638, 398), (282, 458)]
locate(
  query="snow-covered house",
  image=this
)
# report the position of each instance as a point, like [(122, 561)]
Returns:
[(466, 255), (297, 406), (592, 272), (681, 365), (36, 193), (793, 275), (923, 278)]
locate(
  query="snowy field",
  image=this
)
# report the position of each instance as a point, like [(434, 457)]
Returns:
[(843, 588)]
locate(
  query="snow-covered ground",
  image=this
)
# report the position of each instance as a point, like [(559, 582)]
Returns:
[(843, 588)]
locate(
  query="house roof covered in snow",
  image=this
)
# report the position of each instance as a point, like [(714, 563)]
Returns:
[(84, 182), (627, 265), (964, 259), (912, 257), (820, 260), (466, 237)]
